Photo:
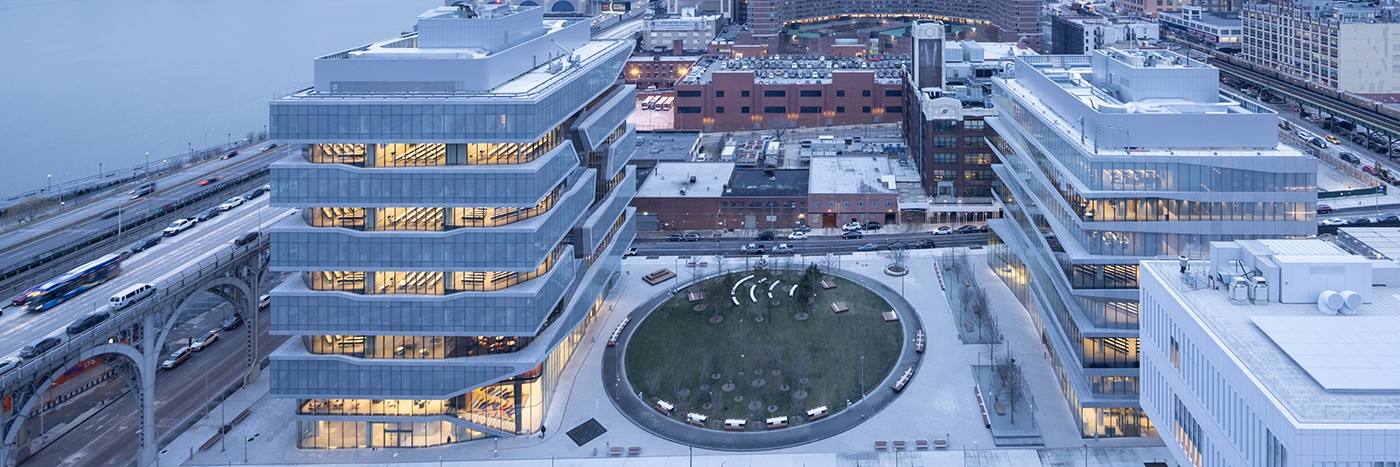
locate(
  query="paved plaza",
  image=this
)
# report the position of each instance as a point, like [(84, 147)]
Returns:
[(938, 403)]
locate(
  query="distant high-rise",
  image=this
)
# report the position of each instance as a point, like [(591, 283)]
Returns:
[(1324, 44), (1116, 157), (463, 195)]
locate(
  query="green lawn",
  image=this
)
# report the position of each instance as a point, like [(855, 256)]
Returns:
[(676, 349)]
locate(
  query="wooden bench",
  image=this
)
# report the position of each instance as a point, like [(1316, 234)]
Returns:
[(634, 451), (658, 276), (903, 380), (981, 404), (615, 451), (882, 445), (921, 444), (695, 296), (940, 443), (919, 342), (839, 307), (898, 444), (617, 333), (817, 413), (827, 284), (890, 316)]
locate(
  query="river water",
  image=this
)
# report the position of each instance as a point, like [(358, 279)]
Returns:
[(89, 82)]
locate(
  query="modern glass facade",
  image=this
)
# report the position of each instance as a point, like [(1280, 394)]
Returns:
[(1090, 188), (452, 249)]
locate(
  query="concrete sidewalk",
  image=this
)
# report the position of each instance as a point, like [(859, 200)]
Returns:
[(251, 396)]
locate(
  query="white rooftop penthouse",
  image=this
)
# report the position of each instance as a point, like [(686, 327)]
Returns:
[(461, 47), (1117, 100)]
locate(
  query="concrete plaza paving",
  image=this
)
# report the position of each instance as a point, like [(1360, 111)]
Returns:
[(939, 403)]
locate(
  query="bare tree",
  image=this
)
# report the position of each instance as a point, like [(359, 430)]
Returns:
[(830, 263), (719, 263), (28, 208), (1013, 389), (693, 264), (896, 256), (252, 134), (652, 382)]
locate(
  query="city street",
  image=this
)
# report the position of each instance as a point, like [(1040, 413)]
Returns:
[(731, 244)]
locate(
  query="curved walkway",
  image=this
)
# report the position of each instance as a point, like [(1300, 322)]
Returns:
[(636, 410)]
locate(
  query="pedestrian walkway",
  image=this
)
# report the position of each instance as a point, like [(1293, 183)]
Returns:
[(939, 403)]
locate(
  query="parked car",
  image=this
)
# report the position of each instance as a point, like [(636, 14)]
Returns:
[(1333, 221), (1359, 220), (9, 364), (868, 247), (675, 237), (1392, 217), (630, 252), (208, 181), (872, 225), (969, 229), (853, 234), (782, 248), (39, 347), (692, 237), (254, 193), (178, 226), (264, 301), (897, 245), (1348, 158), (852, 227), (145, 243), (1370, 169), (87, 322), (797, 235), (925, 243), (231, 322), (1324, 209), (802, 228), (203, 342), (246, 238), (765, 235), (944, 230), (208, 214), (233, 202), (176, 358)]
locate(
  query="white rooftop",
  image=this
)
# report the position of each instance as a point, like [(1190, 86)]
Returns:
[(1355, 353), (1318, 368), (672, 180), (853, 174)]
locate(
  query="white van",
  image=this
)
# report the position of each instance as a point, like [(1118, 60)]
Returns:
[(131, 295)]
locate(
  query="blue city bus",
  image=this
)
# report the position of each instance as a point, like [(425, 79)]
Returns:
[(71, 283)]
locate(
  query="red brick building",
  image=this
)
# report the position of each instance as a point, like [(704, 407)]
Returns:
[(781, 92), (658, 70), (706, 196)]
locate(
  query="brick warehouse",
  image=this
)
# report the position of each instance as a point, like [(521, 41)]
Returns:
[(785, 92)]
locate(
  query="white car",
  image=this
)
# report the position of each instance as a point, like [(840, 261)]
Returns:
[(851, 227), (176, 359), (264, 301), (233, 202), (8, 365), (1333, 221), (944, 230), (782, 248), (178, 226), (797, 236), (203, 342)]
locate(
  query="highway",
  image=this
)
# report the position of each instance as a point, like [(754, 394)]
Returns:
[(20, 243), (731, 245), (109, 438), (19, 327)]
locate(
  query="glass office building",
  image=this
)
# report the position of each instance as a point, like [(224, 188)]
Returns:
[(463, 195), (1115, 157)]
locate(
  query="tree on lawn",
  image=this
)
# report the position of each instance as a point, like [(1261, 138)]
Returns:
[(1013, 389)]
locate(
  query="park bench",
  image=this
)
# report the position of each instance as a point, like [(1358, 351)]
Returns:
[(658, 276), (981, 404), (919, 342), (882, 445), (839, 307), (615, 451), (664, 407), (940, 443), (890, 316), (898, 444), (776, 423), (921, 444), (817, 413), (634, 451), (617, 333), (733, 424), (827, 284), (904, 379)]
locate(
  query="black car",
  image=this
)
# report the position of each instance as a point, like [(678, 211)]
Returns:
[(39, 347), (675, 237), (872, 225), (802, 228), (87, 322), (254, 193), (232, 322), (852, 235), (1349, 158), (968, 229), (143, 244), (765, 235), (925, 243), (897, 245), (208, 214), (246, 238)]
